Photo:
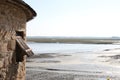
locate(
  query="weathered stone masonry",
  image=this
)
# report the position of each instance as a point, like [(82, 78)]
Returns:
[(13, 17)]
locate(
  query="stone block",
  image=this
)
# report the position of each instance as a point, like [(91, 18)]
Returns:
[(3, 47), (1, 63), (6, 62), (11, 45)]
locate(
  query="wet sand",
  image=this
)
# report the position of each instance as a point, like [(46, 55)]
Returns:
[(99, 65)]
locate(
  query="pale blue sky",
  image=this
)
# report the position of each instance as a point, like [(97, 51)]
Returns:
[(99, 18)]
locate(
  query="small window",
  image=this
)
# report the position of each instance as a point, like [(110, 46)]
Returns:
[(20, 33)]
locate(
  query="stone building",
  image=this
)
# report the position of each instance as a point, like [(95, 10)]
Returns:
[(13, 50)]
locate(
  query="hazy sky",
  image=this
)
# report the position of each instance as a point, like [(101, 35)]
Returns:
[(75, 18)]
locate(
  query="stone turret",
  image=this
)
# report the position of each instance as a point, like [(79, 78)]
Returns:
[(13, 50)]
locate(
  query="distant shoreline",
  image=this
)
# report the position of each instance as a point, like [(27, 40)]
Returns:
[(74, 40)]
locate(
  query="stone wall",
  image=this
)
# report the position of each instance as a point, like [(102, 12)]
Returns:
[(12, 19)]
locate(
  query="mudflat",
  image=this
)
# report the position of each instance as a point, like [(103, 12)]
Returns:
[(99, 65)]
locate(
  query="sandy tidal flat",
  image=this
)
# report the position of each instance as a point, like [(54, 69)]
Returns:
[(101, 65)]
